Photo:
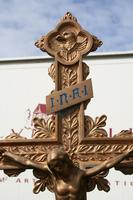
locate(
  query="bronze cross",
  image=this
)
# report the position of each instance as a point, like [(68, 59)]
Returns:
[(85, 140)]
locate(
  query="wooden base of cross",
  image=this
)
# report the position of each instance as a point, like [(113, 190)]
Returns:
[(69, 145)]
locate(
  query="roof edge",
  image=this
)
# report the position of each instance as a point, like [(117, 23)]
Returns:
[(105, 55)]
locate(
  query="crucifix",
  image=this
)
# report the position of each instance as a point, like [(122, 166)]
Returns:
[(70, 153)]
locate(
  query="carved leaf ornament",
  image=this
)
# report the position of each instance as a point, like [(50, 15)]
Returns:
[(94, 128), (99, 181), (44, 129)]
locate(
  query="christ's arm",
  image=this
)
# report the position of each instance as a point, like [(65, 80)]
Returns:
[(106, 165), (24, 161)]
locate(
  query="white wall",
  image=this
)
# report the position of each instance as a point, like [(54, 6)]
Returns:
[(113, 95), (25, 84)]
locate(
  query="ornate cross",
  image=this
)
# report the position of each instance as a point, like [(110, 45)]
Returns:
[(85, 140)]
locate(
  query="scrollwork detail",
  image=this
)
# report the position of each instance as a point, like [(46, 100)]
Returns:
[(44, 129), (51, 72), (70, 133), (15, 136), (69, 77), (86, 70), (99, 181), (124, 134), (94, 128)]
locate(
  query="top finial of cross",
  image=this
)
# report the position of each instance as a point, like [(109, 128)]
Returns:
[(69, 16), (68, 42)]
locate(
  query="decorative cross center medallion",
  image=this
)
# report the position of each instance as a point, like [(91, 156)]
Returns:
[(70, 153), (68, 42)]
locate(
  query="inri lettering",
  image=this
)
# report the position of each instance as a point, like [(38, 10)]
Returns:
[(63, 98)]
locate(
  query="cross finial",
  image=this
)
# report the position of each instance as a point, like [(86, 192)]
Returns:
[(69, 16)]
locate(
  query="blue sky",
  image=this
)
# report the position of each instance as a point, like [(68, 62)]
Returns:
[(23, 22)]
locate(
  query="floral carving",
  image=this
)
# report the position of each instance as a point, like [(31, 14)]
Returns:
[(45, 180), (13, 172), (36, 153), (99, 181), (41, 184), (70, 133), (101, 152), (126, 167), (41, 43), (44, 129), (94, 128), (51, 72), (86, 71), (69, 16), (96, 43), (14, 135), (69, 77), (124, 134)]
